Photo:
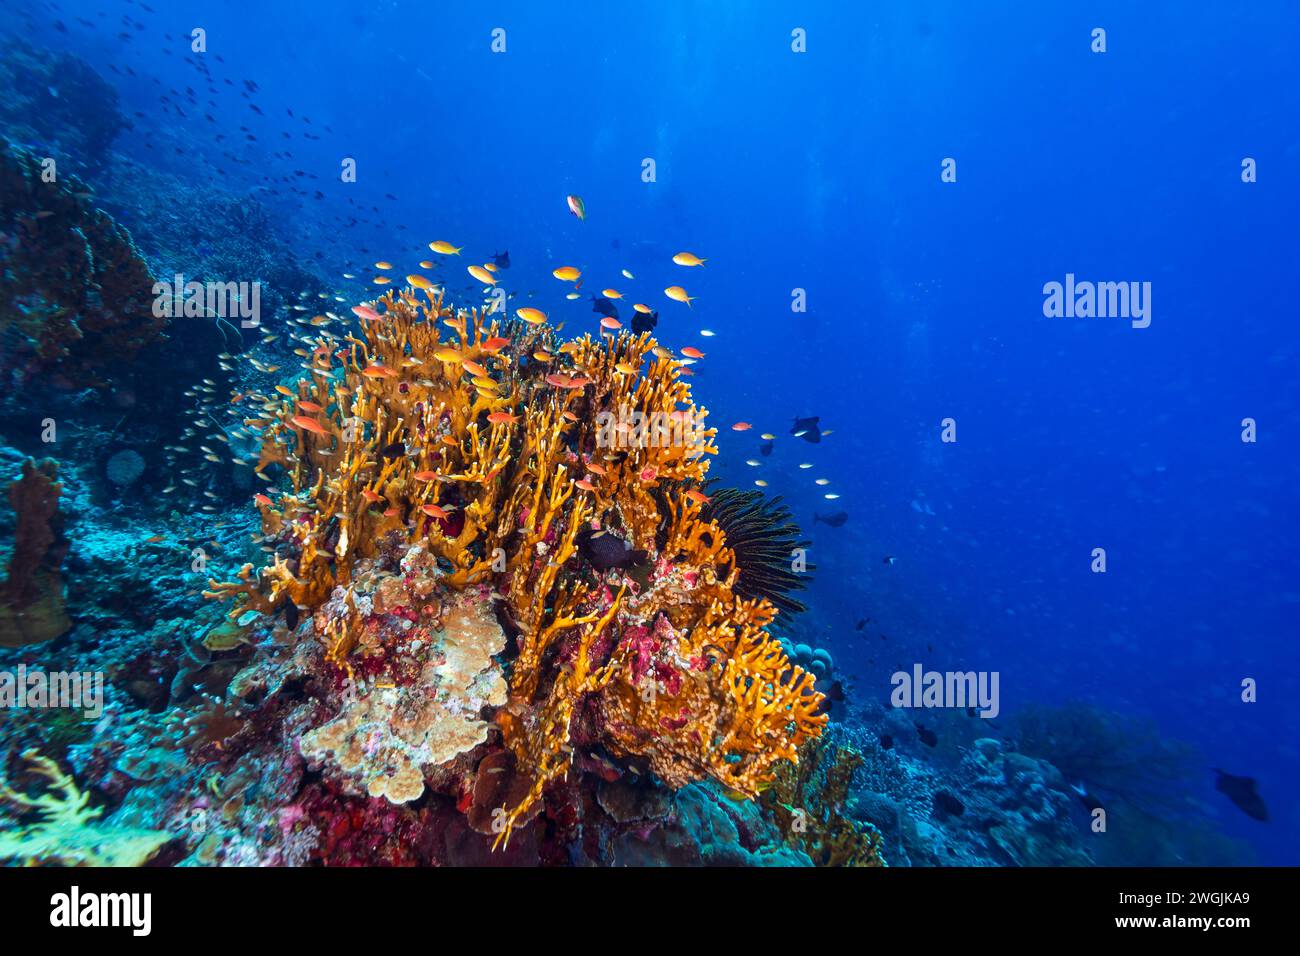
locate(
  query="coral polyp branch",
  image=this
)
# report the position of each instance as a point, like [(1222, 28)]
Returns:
[(446, 458)]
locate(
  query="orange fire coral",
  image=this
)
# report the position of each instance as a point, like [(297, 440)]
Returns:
[(503, 454)]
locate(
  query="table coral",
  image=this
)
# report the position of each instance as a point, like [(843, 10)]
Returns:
[(465, 453)]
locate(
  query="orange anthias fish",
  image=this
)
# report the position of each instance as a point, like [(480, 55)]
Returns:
[(698, 497), (691, 351), (495, 344), (502, 418), (741, 427), (261, 499), (585, 484), (433, 511), (425, 476), (473, 368), (303, 421), (365, 312), (609, 322), (378, 371), (370, 495), (310, 407), (678, 294)]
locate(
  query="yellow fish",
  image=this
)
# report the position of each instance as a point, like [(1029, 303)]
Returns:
[(688, 259), (420, 282), (383, 265), (445, 248), (426, 263), (643, 309), (678, 294), (611, 293), (381, 280), (531, 315), (567, 274), (478, 272)]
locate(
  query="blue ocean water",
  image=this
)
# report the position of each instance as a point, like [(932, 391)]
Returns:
[(846, 279)]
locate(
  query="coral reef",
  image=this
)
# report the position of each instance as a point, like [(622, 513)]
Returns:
[(76, 298), (65, 831), (809, 800), (1118, 757), (487, 454), (31, 595), (60, 100)]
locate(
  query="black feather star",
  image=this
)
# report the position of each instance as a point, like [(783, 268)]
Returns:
[(764, 536)]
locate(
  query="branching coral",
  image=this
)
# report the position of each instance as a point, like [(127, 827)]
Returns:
[(809, 799), (31, 596), (65, 832), (488, 446)]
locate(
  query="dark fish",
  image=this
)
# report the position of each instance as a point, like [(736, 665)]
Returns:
[(765, 449), (602, 306), (807, 429), (291, 615), (886, 742), (946, 805), (862, 623), (396, 450), (835, 519), (834, 694), (604, 551), (927, 736), (501, 259), (644, 322), (1241, 791)]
